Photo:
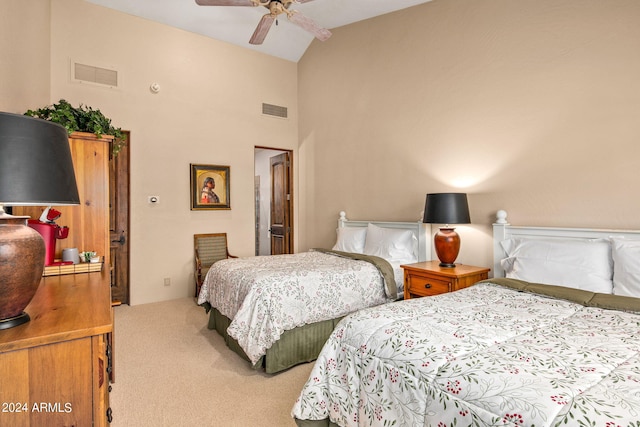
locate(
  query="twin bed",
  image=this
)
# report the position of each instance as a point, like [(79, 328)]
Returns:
[(553, 340), (278, 311)]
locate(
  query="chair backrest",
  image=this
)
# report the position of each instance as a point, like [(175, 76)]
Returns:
[(210, 247)]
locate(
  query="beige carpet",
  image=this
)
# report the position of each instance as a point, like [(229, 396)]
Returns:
[(172, 371)]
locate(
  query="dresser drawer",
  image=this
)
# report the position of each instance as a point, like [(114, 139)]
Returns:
[(427, 286)]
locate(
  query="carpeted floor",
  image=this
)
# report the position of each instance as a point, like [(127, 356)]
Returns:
[(172, 371)]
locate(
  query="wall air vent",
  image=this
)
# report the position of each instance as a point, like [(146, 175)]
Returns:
[(92, 74), (274, 110)]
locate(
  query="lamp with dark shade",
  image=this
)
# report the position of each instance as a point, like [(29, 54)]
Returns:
[(447, 208), (36, 169)]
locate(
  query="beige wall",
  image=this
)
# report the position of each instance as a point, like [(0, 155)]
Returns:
[(529, 106), (24, 54), (207, 111)]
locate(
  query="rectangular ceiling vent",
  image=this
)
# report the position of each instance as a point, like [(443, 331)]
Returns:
[(274, 110), (93, 74)]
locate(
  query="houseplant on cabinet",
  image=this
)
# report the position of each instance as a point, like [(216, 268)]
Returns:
[(81, 119)]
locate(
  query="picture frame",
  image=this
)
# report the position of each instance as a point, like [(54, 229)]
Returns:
[(210, 187)]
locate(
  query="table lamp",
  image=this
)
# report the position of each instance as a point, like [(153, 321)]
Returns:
[(36, 169), (447, 208)]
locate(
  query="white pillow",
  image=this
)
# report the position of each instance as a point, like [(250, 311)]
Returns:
[(396, 246), (575, 263), (350, 239), (626, 267)]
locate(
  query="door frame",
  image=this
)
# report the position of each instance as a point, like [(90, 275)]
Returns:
[(291, 193), (120, 222)]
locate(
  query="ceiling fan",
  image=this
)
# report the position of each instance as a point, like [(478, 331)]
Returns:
[(276, 7)]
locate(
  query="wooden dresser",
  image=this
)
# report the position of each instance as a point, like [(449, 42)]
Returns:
[(54, 369)]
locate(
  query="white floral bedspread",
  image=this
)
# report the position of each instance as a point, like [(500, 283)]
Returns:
[(267, 295), (482, 356)]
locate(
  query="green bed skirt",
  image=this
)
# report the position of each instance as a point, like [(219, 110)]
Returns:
[(299, 345), (312, 423)]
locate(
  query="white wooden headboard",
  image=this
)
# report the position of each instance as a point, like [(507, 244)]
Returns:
[(421, 231), (502, 230)]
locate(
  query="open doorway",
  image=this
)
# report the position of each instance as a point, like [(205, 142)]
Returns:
[(273, 201)]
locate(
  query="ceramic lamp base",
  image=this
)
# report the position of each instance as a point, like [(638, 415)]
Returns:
[(14, 321), (21, 265), (447, 243)]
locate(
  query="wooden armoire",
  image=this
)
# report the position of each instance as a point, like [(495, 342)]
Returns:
[(89, 222)]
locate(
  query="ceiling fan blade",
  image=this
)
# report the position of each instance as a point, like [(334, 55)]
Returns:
[(262, 29), (226, 3), (309, 25)]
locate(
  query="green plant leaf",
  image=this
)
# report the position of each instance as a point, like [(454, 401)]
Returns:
[(81, 119)]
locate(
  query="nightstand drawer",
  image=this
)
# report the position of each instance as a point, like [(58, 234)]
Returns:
[(427, 286)]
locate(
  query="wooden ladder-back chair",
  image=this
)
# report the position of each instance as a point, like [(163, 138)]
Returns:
[(209, 248)]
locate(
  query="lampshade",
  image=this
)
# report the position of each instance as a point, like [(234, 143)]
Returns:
[(446, 208), (36, 169)]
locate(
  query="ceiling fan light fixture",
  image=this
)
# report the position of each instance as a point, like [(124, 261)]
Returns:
[(276, 7)]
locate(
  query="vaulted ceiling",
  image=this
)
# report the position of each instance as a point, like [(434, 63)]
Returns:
[(235, 25)]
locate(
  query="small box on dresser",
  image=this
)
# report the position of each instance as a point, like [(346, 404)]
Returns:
[(427, 278)]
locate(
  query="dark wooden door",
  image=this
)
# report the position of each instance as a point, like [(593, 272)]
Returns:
[(119, 223), (281, 203)]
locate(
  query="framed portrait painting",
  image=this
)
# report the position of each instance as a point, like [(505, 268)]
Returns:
[(210, 187)]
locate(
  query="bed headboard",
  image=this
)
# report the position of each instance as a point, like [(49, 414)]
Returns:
[(502, 230), (421, 231)]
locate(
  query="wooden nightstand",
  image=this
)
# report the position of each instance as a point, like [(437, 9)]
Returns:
[(424, 279)]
